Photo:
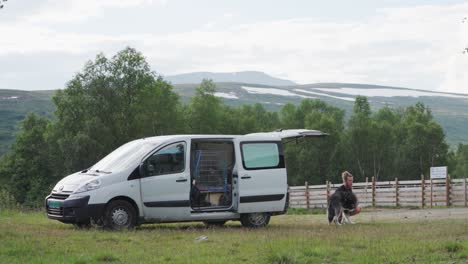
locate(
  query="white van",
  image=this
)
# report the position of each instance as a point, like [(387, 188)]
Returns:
[(209, 178)]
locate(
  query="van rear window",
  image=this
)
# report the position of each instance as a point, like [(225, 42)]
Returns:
[(262, 155)]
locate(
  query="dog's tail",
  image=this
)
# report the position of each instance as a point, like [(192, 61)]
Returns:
[(330, 214)]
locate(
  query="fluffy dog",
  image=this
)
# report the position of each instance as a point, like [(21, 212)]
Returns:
[(341, 205)]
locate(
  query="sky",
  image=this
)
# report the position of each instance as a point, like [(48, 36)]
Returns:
[(413, 44)]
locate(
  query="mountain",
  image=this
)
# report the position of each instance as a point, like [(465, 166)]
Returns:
[(241, 77), (449, 109)]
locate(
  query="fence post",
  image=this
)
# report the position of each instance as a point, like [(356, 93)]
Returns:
[(423, 190), (397, 194), (431, 192), (328, 192), (307, 194), (373, 191), (365, 194), (464, 184), (447, 190)]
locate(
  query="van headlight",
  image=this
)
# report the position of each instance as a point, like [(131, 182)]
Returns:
[(91, 185)]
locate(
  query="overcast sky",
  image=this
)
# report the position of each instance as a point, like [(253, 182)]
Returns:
[(415, 44)]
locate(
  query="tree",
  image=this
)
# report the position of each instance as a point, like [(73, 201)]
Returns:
[(384, 141), (423, 142), (159, 111), (461, 162), (358, 145), (25, 169), (110, 102), (206, 110), (314, 160), (248, 119), (328, 155)]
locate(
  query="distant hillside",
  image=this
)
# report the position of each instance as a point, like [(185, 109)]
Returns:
[(242, 77), (450, 110), (14, 105)]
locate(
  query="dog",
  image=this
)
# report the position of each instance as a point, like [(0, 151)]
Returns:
[(340, 207)]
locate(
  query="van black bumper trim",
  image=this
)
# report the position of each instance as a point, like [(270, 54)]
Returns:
[(74, 210), (261, 198), (182, 203)]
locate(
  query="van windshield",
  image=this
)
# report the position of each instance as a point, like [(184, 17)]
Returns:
[(126, 155)]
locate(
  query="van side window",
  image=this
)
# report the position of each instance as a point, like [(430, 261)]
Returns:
[(262, 155), (168, 160)]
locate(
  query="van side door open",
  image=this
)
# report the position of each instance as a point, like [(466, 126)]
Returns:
[(262, 176)]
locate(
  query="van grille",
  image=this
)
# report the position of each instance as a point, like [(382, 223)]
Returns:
[(59, 196), (55, 211)]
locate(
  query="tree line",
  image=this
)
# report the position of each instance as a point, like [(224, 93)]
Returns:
[(118, 99)]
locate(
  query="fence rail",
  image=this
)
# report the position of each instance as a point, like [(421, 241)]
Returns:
[(419, 193)]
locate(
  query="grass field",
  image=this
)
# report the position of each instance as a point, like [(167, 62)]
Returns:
[(29, 237)]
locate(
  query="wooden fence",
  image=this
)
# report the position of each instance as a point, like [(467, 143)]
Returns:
[(417, 193)]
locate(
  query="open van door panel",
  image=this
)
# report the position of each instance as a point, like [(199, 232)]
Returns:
[(290, 133), (262, 172), (262, 176), (300, 133)]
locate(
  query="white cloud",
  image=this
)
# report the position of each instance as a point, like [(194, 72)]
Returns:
[(26, 38), (417, 47), (60, 11), (456, 76), (411, 47)]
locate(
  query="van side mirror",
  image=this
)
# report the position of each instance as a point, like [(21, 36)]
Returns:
[(142, 170)]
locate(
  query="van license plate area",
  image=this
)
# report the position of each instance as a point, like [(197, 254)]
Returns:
[(54, 204)]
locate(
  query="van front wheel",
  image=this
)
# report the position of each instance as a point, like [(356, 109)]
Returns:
[(119, 215), (255, 220)]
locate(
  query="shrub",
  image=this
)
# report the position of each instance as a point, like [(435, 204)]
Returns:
[(7, 201)]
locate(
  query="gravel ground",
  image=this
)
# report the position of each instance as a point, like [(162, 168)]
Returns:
[(418, 215)]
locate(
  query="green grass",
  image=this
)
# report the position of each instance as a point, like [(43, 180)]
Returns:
[(29, 237), (303, 211)]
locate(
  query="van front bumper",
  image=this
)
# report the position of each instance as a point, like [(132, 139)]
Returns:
[(72, 209)]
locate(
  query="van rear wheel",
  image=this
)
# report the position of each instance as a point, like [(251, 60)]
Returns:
[(119, 215), (255, 220)]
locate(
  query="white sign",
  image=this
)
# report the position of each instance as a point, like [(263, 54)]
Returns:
[(439, 172)]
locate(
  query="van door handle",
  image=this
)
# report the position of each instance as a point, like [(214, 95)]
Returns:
[(181, 180), (246, 177)]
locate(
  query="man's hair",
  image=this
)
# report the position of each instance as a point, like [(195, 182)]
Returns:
[(345, 175)]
